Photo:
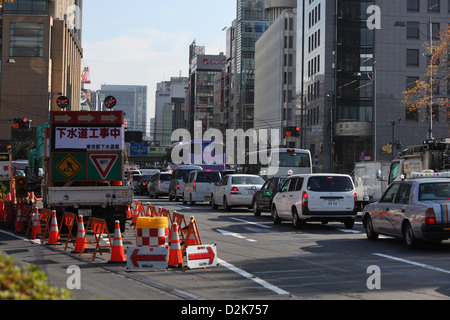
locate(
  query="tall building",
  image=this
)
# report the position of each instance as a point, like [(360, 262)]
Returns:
[(41, 59), (170, 108), (202, 70), (275, 63), (352, 68), (251, 22), (132, 100)]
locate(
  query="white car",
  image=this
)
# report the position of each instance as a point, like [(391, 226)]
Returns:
[(236, 190), (199, 185), (316, 197)]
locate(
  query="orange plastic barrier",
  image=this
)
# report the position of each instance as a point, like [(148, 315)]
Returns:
[(98, 227), (68, 221), (193, 235), (182, 225)]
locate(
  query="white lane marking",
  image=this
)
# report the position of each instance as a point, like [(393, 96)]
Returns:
[(249, 276), (422, 265), (254, 223), (233, 234)]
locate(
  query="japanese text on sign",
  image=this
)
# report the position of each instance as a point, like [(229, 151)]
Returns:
[(90, 138)]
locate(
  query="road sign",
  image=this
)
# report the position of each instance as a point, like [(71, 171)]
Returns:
[(87, 117), (147, 258), (104, 166), (69, 166), (201, 256)]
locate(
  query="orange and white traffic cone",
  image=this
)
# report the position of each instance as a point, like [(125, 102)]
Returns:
[(128, 213), (80, 244), (117, 252), (36, 223), (53, 235), (175, 252)]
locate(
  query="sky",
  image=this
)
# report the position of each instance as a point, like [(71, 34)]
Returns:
[(143, 42)]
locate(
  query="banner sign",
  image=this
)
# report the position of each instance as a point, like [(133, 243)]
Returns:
[(90, 138)]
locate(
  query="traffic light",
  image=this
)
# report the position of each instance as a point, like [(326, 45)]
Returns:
[(110, 102), (21, 186), (292, 132), (22, 123), (63, 102)]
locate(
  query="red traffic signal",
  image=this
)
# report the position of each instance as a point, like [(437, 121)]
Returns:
[(63, 102), (110, 102), (21, 123), (292, 132)]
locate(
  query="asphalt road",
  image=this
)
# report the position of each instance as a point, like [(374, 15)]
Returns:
[(257, 261)]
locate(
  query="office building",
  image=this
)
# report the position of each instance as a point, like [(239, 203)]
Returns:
[(352, 68), (41, 59)]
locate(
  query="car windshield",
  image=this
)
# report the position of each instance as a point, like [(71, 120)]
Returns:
[(330, 184), (434, 191), (247, 180), (165, 177), (208, 177)]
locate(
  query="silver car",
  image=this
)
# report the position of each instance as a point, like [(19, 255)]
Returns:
[(412, 209)]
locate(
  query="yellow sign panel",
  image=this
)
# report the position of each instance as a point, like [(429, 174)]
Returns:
[(69, 167)]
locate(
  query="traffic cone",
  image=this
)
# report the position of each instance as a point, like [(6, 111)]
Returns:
[(53, 235), (36, 223), (80, 244), (2, 211), (19, 220), (175, 252), (117, 252), (128, 213)]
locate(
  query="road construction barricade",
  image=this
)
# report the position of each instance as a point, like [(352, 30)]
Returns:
[(152, 232), (98, 228), (182, 225), (38, 221), (67, 222)]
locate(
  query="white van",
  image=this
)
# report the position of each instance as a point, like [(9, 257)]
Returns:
[(199, 185), (176, 185), (316, 197)]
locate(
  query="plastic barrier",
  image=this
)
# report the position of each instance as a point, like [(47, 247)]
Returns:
[(68, 221), (192, 236), (152, 232), (98, 227)]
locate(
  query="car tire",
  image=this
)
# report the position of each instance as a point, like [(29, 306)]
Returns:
[(226, 207), (192, 201), (256, 210), (408, 236), (349, 223), (170, 197), (213, 203), (370, 232), (275, 218), (296, 221)]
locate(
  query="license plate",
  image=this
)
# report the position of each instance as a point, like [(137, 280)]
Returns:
[(331, 203), (206, 198), (85, 212)]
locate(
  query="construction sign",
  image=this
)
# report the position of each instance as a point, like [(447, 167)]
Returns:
[(69, 166), (201, 256), (147, 258), (105, 166)]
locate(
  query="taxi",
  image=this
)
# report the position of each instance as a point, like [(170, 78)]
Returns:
[(414, 210)]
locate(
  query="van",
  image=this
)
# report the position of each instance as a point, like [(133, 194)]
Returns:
[(177, 184), (316, 197), (199, 185)]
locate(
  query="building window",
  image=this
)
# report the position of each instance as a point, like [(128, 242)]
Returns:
[(26, 7), (434, 5), (412, 57), (413, 5), (412, 30), (26, 40)]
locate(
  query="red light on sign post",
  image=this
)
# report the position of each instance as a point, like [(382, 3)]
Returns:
[(63, 102)]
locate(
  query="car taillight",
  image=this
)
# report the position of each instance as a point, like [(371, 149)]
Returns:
[(178, 186), (305, 199), (195, 185), (234, 190), (144, 183), (430, 218), (355, 198)]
